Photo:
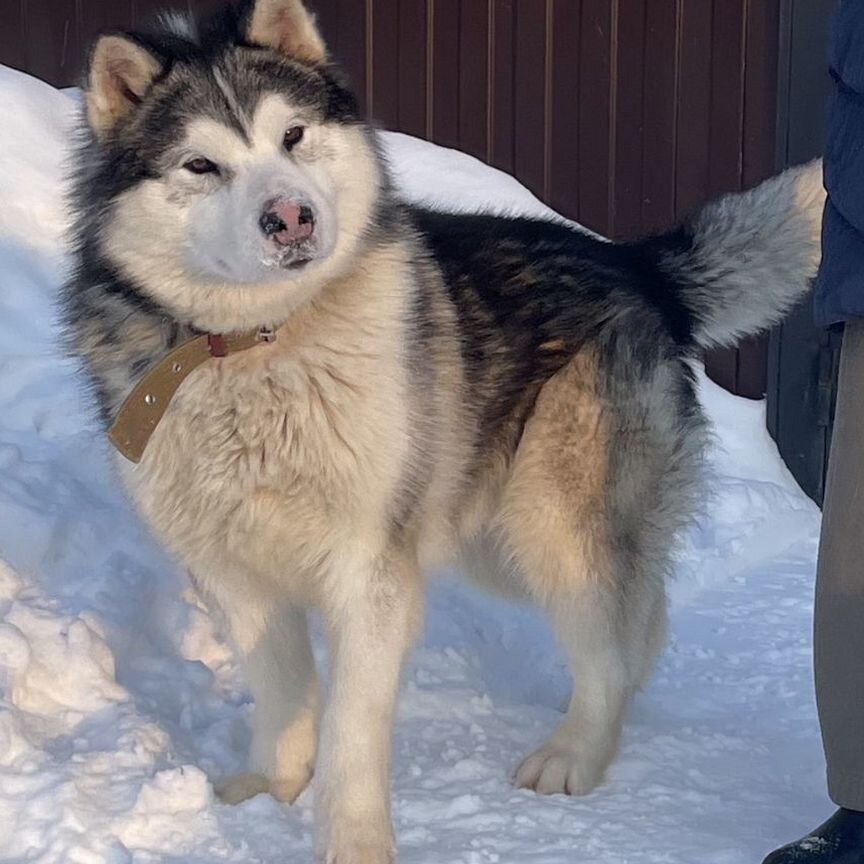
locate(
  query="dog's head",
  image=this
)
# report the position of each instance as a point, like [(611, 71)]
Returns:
[(228, 174)]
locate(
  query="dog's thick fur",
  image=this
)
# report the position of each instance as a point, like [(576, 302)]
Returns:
[(505, 393)]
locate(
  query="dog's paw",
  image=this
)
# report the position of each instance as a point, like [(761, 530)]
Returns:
[(357, 843), (288, 789), (359, 853), (233, 790), (557, 769)]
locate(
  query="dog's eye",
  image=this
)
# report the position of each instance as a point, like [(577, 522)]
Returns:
[(293, 137), (201, 166)]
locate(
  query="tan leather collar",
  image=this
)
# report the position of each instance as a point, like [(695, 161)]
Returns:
[(144, 407)]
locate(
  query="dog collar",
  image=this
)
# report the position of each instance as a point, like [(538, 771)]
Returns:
[(144, 407)]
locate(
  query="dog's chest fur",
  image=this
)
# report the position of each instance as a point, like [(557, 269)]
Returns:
[(274, 459)]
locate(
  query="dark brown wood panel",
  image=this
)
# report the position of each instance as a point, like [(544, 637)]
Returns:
[(502, 120), (726, 128), (444, 68), (565, 120), (474, 105), (693, 128), (530, 94), (761, 88), (347, 27), (383, 88), (596, 142), (750, 369), (624, 114), (660, 73), (725, 135), (50, 30), (627, 116), (13, 42), (411, 76)]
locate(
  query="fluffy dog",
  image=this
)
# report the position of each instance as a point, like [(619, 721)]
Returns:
[(365, 389)]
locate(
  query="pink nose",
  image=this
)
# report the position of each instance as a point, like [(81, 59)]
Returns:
[(287, 222)]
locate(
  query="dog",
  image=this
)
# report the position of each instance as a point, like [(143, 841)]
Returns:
[(363, 389)]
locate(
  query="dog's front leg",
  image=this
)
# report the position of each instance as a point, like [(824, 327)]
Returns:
[(371, 617)]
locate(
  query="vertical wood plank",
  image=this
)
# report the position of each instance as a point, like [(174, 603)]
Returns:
[(351, 39), (13, 44), (502, 85), (474, 77), (595, 110), (411, 77), (49, 34), (445, 72), (384, 63), (660, 112), (343, 25), (694, 105), (629, 129), (530, 95), (564, 123), (751, 378), (726, 124), (725, 142), (721, 365), (761, 89)]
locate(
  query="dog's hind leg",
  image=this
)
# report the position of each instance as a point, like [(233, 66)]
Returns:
[(609, 653), (583, 550), (273, 642)]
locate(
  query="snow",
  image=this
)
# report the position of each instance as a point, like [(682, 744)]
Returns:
[(119, 697)]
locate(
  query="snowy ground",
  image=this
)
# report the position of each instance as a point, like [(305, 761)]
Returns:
[(118, 698)]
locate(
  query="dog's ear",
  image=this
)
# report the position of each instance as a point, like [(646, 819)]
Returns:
[(121, 72), (288, 27)]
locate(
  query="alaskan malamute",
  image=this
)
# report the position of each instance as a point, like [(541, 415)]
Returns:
[(319, 392)]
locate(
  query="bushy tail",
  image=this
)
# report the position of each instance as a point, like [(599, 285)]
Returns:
[(744, 260)]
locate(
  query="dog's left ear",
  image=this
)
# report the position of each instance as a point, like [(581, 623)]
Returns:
[(121, 73), (288, 27)]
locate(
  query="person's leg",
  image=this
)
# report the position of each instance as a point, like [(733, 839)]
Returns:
[(839, 618), (839, 627)]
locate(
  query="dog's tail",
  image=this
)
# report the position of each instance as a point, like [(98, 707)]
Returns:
[(744, 260)]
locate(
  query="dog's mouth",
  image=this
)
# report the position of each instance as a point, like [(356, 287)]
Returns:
[(294, 256)]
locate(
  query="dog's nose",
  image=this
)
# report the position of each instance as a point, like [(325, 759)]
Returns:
[(287, 221)]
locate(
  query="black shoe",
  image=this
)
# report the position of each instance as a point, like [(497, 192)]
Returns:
[(840, 840)]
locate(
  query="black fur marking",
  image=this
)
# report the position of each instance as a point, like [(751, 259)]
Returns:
[(529, 293), (661, 287)]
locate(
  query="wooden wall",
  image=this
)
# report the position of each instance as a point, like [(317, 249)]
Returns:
[(622, 114)]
